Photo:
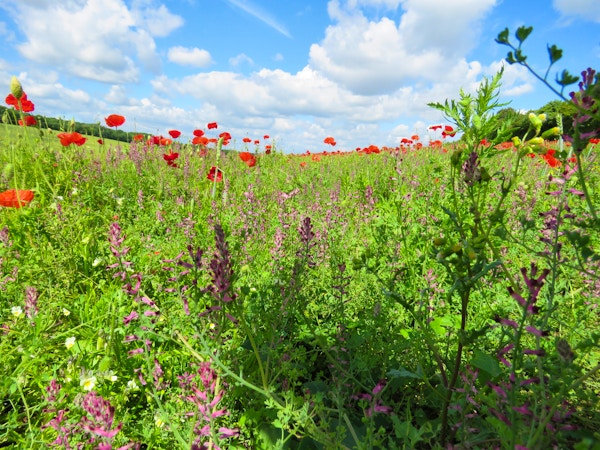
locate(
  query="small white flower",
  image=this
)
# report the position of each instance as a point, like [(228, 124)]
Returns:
[(87, 382), (70, 342), (110, 375), (132, 385), (96, 262), (17, 311), (158, 421), (66, 312)]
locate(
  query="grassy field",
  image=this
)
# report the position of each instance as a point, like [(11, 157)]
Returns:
[(435, 297)]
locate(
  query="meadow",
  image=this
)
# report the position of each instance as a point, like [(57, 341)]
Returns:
[(167, 294)]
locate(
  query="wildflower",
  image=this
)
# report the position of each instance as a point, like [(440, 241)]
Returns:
[(198, 133), (100, 418), (132, 385), (20, 104), (329, 140), (215, 173), (70, 342), (67, 139), (246, 140), (248, 158), (170, 158), (200, 140), (14, 198), (448, 131), (114, 120), (28, 121), (31, 297), (87, 382), (212, 125), (174, 133), (66, 312), (17, 311)]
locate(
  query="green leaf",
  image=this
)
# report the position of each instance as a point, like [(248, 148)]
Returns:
[(503, 37), (523, 32), (485, 362), (566, 78), (510, 58), (554, 53), (402, 373)]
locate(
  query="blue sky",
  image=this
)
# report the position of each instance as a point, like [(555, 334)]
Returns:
[(361, 71)]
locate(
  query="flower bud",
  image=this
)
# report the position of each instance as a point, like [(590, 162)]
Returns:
[(535, 121), (552, 132), (516, 141), (15, 88)]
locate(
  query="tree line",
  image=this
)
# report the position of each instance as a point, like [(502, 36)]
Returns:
[(10, 116)]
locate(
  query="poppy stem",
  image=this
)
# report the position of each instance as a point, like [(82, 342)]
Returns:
[(217, 158)]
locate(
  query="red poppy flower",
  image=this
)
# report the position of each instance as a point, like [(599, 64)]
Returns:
[(200, 140), (114, 120), (198, 133), (266, 136), (448, 131), (329, 140), (74, 137), (247, 140), (406, 141), (256, 142), (100, 141), (138, 137), (245, 156), (435, 127), (165, 141), (15, 198), (594, 141), (215, 172), (248, 158), (212, 125), (174, 133), (23, 104), (29, 121), (170, 158), (415, 137), (225, 135), (550, 159)]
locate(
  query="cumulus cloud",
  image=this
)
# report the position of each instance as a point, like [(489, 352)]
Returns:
[(196, 57), (373, 57), (101, 40), (584, 9)]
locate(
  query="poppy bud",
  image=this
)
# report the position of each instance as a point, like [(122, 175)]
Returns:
[(516, 141), (15, 88)]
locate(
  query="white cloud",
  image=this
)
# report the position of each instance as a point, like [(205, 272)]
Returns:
[(373, 57), (584, 9), (240, 59), (196, 57), (100, 40), (158, 22)]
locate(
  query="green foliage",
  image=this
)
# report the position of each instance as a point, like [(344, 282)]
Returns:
[(414, 299)]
